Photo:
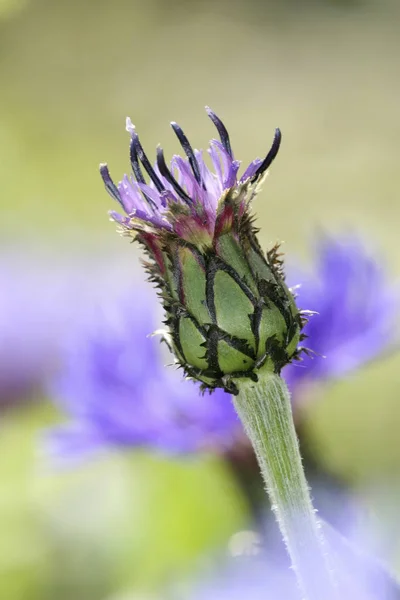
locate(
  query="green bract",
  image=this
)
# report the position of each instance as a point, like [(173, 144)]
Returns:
[(229, 309)]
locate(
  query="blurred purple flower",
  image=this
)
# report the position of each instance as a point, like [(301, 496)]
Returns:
[(33, 312), (119, 392), (357, 311), (43, 295), (263, 573)]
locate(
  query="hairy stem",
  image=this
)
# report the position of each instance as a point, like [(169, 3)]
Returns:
[(265, 411)]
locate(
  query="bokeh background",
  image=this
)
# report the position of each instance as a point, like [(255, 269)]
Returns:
[(327, 73)]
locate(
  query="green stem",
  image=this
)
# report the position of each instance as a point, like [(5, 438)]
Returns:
[(265, 411)]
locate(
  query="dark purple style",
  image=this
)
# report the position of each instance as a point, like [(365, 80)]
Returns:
[(186, 197)]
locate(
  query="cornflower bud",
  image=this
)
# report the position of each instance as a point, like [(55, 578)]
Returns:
[(229, 311)]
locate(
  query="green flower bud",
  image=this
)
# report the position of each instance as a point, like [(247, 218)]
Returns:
[(228, 309)]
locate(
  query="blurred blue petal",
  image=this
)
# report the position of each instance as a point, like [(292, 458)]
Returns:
[(268, 576), (357, 310), (43, 296), (35, 306), (118, 392)]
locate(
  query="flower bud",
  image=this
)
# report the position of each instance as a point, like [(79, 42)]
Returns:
[(228, 310)]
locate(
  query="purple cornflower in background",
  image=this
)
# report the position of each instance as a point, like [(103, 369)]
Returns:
[(43, 296), (118, 391), (260, 571), (35, 307), (357, 311), (259, 581)]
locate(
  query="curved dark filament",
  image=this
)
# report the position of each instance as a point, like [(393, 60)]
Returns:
[(165, 172), (138, 171), (109, 184), (222, 131), (184, 142), (270, 156), (147, 165)]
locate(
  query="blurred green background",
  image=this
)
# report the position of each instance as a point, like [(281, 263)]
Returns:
[(327, 73)]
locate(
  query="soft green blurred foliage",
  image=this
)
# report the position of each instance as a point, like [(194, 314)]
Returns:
[(118, 521), (327, 74), (9, 8)]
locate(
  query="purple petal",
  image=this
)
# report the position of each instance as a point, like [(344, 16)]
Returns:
[(251, 169), (131, 197), (230, 180), (357, 310), (122, 219)]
